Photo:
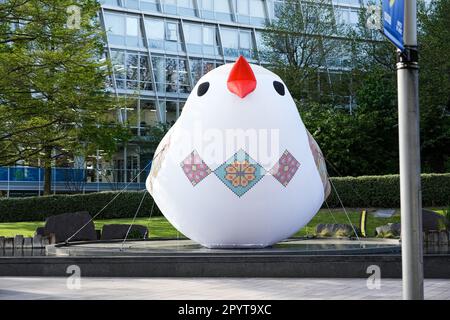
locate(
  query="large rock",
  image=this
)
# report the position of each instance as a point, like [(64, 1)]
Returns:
[(431, 220), (119, 231), (65, 225), (334, 230), (390, 230), (39, 231)]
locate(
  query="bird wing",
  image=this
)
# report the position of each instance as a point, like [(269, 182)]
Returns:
[(158, 159), (320, 164)]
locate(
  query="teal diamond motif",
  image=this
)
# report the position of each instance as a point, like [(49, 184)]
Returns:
[(240, 173)]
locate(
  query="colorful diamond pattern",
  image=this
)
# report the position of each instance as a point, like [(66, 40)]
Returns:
[(240, 173), (285, 169), (195, 168)]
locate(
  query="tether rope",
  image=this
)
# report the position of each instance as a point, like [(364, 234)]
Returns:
[(101, 210), (329, 210), (345, 211), (134, 219), (150, 216)]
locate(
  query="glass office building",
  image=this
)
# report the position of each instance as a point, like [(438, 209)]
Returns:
[(160, 48)]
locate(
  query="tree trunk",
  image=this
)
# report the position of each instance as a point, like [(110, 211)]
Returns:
[(48, 171)]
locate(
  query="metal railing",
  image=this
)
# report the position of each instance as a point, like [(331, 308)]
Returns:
[(70, 180)]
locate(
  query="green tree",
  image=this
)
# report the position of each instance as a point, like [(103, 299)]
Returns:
[(364, 142), (299, 42), (434, 82), (52, 93)]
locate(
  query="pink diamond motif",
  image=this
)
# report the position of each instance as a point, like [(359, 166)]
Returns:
[(195, 168), (285, 169)]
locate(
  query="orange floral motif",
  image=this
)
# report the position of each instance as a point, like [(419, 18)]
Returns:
[(240, 173)]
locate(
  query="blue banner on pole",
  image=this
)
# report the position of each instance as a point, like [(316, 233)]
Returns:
[(393, 21)]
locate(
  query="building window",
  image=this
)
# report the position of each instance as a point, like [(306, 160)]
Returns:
[(123, 30), (170, 6), (131, 70), (132, 116), (236, 42), (180, 7), (196, 69), (347, 16), (245, 44), (277, 8), (163, 35), (145, 80), (200, 67), (171, 112), (132, 4), (148, 115), (243, 10), (183, 77), (134, 34), (171, 74), (222, 10), (150, 5), (201, 39), (118, 64), (110, 2), (210, 43), (262, 48), (230, 42), (207, 9), (132, 65), (209, 36), (155, 33), (115, 27), (258, 12), (193, 33), (172, 31), (186, 7)]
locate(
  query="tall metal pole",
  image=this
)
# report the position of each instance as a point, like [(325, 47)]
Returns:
[(409, 136)]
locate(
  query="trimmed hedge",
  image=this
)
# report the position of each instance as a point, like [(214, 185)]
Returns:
[(384, 191), (39, 208), (357, 192)]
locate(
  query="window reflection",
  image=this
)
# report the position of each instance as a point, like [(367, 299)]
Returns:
[(131, 70), (148, 114), (200, 67), (171, 112), (171, 74), (237, 42), (155, 33), (230, 42), (132, 115), (163, 34), (159, 70), (196, 69), (123, 30)]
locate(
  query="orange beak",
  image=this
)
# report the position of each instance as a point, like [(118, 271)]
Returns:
[(241, 80)]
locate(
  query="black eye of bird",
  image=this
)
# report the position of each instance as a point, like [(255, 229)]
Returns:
[(279, 87), (202, 89)]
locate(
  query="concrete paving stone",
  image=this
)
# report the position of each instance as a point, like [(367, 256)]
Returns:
[(211, 288)]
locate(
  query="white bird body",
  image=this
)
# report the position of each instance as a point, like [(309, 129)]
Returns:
[(217, 174)]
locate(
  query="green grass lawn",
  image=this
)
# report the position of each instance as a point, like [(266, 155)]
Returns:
[(160, 227)]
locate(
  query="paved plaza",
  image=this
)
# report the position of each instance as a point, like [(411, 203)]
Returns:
[(209, 288)]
